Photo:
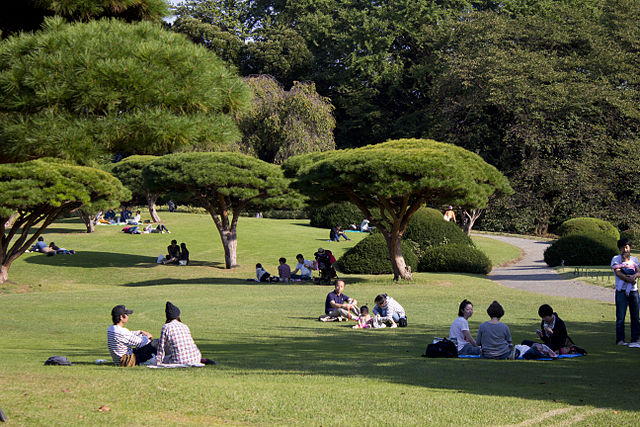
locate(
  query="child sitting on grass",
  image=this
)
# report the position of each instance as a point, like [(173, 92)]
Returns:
[(284, 271), (263, 276), (365, 321)]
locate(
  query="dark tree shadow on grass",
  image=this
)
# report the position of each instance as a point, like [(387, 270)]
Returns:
[(92, 259)]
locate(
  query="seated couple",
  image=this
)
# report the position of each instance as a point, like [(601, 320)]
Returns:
[(337, 232), (177, 254), (131, 348)]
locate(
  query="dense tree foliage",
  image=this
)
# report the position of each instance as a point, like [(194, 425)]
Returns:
[(84, 91), (225, 184), (129, 172), (397, 178), (35, 193), (284, 123)]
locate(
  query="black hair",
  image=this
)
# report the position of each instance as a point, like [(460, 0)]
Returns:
[(174, 242), (171, 320), (463, 305), (545, 310), (623, 242), (282, 260), (115, 318), (258, 265), (495, 310), (299, 256), (183, 245), (40, 239), (380, 298), (364, 308)]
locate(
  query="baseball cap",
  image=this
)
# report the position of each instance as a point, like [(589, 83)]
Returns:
[(120, 310)]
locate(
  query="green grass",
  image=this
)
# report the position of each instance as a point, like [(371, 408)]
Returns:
[(498, 252), (277, 365)]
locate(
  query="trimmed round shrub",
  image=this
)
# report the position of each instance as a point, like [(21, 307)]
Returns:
[(582, 249), (586, 225), (457, 258), (335, 213), (429, 230), (371, 256)]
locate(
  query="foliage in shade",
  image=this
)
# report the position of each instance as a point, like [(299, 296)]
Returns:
[(581, 249), (225, 184), (83, 91), (397, 178), (371, 256), (284, 123), (35, 193), (428, 229), (587, 225), (129, 172), (455, 258), (333, 214)]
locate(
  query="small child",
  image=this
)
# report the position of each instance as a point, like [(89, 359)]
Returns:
[(284, 271), (627, 267), (261, 274), (365, 321)]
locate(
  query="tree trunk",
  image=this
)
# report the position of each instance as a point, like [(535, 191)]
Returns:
[(4, 273), (230, 244), (470, 218), (89, 221), (151, 201), (400, 268), (11, 220)]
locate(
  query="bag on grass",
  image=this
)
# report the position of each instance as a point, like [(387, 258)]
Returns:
[(160, 259), (58, 360), (402, 323), (442, 348)]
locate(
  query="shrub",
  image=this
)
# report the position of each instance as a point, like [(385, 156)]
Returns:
[(582, 249), (371, 256), (429, 230), (586, 225), (335, 213), (457, 258), (632, 234)]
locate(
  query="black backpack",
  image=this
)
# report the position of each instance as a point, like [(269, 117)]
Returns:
[(443, 348)]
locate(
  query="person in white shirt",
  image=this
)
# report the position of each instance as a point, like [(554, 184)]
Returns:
[(128, 348), (460, 330), (626, 294), (304, 267), (389, 311)]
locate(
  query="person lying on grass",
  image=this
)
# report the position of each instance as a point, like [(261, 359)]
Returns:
[(460, 330), (176, 344), (494, 336), (128, 348), (339, 306)]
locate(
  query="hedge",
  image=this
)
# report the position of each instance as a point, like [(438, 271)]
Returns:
[(587, 225), (429, 230), (371, 256), (335, 214), (456, 258), (582, 249)]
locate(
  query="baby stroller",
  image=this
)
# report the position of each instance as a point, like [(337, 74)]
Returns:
[(327, 272)]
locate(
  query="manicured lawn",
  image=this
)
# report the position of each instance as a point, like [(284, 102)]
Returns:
[(277, 365)]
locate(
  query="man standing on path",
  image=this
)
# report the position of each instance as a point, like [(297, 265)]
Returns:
[(626, 296)]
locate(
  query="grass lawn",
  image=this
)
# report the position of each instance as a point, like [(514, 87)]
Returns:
[(277, 365)]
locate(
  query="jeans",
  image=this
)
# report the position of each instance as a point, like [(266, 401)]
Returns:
[(632, 301), (300, 276), (468, 350)]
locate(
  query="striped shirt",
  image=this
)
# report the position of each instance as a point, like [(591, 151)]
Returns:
[(176, 343), (121, 340)]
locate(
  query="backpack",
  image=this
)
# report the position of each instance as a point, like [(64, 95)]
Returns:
[(442, 348)]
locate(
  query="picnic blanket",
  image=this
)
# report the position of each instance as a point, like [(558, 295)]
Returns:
[(562, 356), (176, 365)]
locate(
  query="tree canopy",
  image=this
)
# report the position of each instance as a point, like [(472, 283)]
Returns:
[(223, 183), (129, 172), (84, 91), (36, 192), (396, 177)]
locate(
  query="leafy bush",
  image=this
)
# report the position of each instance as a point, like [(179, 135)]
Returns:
[(428, 230), (335, 213), (632, 234), (371, 256), (279, 214), (582, 249), (458, 258), (586, 225)]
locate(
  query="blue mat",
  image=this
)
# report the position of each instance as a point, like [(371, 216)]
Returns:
[(562, 356)]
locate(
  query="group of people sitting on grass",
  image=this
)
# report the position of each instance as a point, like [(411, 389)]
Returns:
[(494, 338), (131, 348), (324, 260), (50, 249), (386, 311), (176, 254)]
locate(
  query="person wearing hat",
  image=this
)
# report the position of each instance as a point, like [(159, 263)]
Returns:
[(176, 344), (127, 348), (449, 214)]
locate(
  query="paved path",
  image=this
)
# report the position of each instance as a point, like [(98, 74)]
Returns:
[(532, 274)]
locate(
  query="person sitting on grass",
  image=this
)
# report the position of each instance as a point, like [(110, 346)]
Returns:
[(173, 253), (460, 330), (304, 267), (337, 232), (176, 344), (263, 276), (284, 271), (389, 311), (128, 348), (135, 220), (365, 321), (110, 215), (553, 331), (339, 306), (183, 259), (494, 336)]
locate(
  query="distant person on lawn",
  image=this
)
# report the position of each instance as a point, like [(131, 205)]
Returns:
[(553, 331), (40, 246), (389, 311), (460, 330), (176, 344), (626, 294), (339, 306), (450, 215), (494, 336), (173, 253), (284, 271), (304, 267), (128, 348)]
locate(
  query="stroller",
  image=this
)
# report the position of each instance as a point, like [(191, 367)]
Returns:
[(327, 272)]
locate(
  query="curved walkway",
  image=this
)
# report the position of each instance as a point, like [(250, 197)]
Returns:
[(532, 274)]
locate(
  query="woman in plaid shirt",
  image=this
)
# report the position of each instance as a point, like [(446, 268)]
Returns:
[(176, 344)]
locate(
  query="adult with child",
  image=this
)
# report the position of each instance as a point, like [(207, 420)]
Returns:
[(339, 306), (494, 336), (553, 331), (176, 346), (460, 330), (389, 311), (173, 253), (128, 348), (304, 267), (626, 293)]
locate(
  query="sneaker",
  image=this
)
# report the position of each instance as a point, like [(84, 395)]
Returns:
[(621, 343), (208, 362), (394, 325), (634, 344)]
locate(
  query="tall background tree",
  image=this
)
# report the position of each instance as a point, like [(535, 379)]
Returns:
[(396, 178), (88, 90)]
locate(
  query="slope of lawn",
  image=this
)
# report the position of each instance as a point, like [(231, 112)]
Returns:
[(277, 365)]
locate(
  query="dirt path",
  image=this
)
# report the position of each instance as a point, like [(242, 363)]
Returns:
[(532, 274)]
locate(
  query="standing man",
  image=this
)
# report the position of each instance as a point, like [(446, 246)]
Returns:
[(389, 311), (127, 348), (626, 296), (339, 306), (460, 330)]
